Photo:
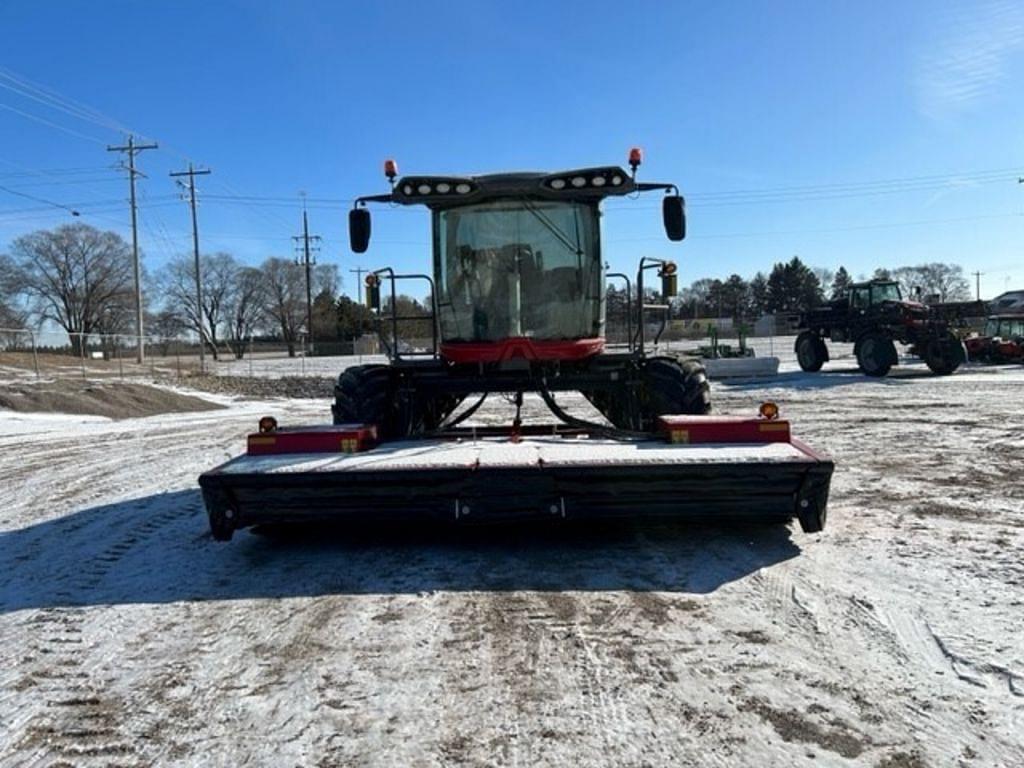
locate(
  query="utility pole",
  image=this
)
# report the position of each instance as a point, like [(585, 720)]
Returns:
[(133, 149), (305, 239), (359, 272), (977, 283), (192, 173)]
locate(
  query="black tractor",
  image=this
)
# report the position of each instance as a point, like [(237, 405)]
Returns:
[(874, 316)]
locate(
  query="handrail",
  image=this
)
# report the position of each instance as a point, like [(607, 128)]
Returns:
[(395, 317), (629, 306)]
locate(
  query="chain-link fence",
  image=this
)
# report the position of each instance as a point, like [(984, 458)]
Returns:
[(56, 354), (18, 349)]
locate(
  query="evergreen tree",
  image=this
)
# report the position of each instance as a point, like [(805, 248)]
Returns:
[(759, 294), (793, 287), (841, 282)]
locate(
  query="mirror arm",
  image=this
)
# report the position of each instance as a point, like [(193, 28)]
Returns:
[(362, 201), (646, 186)]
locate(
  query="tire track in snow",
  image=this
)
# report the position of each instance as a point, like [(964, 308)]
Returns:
[(78, 721)]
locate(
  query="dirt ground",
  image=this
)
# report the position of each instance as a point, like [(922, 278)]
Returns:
[(113, 399), (128, 637)]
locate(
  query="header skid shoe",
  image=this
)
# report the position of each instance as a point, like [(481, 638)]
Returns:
[(697, 467)]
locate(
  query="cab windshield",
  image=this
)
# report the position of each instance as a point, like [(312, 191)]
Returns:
[(1007, 329), (885, 292), (518, 267)]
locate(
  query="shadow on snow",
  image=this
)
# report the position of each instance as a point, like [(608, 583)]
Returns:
[(828, 379), (157, 549)]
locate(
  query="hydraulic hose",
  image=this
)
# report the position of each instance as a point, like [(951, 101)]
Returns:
[(614, 433)]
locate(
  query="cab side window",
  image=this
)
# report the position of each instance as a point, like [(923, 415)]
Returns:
[(859, 298)]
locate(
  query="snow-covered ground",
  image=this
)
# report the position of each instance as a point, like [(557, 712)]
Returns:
[(128, 637)]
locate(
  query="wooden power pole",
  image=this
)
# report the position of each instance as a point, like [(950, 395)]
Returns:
[(133, 149), (191, 188), (308, 245)]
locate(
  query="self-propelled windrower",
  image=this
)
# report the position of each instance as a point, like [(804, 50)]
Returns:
[(517, 306)]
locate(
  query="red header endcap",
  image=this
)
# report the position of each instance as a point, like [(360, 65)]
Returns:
[(636, 157), (390, 168)]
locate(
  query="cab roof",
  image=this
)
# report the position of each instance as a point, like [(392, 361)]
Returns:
[(588, 184)]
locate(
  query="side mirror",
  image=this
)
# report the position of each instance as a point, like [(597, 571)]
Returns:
[(673, 213), (359, 230), (373, 292)]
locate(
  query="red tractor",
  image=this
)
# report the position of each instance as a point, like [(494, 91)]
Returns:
[(1002, 341), (518, 304)]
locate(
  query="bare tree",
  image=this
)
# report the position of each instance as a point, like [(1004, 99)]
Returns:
[(75, 276), (219, 275), (285, 297), (326, 280), (825, 276), (11, 316), (164, 328), (937, 281), (246, 308), (946, 282)]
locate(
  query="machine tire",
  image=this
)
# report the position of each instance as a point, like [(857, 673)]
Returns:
[(365, 394), (369, 394), (943, 355), (665, 386), (673, 387), (811, 351), (876, 354)]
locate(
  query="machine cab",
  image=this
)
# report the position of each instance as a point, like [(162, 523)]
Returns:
[(517, 263), (871, 294), (1005, 328), (518, 268)]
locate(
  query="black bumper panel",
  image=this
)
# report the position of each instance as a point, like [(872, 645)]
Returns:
[(776, 490)]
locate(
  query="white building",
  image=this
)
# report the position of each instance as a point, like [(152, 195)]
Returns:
[(1011, 301)]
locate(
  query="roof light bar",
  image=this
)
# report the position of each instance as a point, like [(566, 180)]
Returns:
[(418, 188), (589, 181)]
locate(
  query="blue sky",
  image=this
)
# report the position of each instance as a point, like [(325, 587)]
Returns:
[(863, 134)]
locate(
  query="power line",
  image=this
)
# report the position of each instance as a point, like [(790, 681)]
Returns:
[(52, 98), (44, 121), (70, 210), (54, 172), (880, 225)]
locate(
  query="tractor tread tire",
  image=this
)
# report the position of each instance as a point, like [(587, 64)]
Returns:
[(364, 394), (876, 354), (664, 386), (811, 351), (369, 394), (673, 387), (943, 355)]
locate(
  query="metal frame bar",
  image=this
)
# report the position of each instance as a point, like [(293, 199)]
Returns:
[(629, 306), (395, 317), (646, 263)]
